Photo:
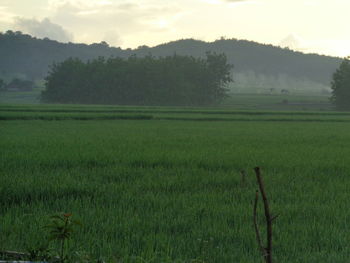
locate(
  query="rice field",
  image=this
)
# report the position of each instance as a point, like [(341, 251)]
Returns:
[(154, 184)]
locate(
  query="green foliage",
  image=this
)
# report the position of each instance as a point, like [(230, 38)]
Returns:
[(175, 80), (61, 228), (341, 86), (61, 113), (170, 191)]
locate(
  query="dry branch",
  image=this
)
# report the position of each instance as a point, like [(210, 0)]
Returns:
[(266, 252), (257, 232)]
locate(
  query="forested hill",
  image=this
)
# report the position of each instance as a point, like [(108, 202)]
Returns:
[(31, 57)]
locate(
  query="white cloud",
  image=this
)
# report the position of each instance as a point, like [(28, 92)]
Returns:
[(55, 4), (336, 47), (295, 42), (115, 22), (5, 15), (113, 38), (232, 2), (131, 23), (43, 28)]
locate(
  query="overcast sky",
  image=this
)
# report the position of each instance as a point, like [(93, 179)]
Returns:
[(320, 26)]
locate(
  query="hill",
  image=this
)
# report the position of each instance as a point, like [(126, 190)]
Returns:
[(25, 55)]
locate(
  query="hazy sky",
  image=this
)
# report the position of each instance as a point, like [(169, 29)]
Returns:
[(308, 25)]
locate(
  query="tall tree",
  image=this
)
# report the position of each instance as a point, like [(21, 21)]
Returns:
[(341, 86)]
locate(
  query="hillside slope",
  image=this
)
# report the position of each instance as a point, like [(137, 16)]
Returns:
[(31, 57)]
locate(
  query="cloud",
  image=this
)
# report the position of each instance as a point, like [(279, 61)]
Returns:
[(239, 2), (295, 42), (113, 38), (5, 15), (116, 22), (217, 2), (55, 4), (232, 3), (334, 47), (43, 28)]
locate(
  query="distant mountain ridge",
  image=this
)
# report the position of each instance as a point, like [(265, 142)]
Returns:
[(29, 56)]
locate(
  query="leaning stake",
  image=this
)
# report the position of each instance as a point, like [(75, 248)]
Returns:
[(266, 251)]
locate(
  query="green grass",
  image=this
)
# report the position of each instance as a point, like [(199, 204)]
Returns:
[(169, 190), (88, 112), (239, 101), (304, 102)]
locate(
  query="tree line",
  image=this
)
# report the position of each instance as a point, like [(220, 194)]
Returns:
[(29, 56), (171, 80)]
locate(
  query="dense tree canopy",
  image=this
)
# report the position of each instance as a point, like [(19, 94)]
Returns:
[(341, 86), (173, 80)]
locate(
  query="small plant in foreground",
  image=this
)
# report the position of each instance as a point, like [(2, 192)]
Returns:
[(61, 228)]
